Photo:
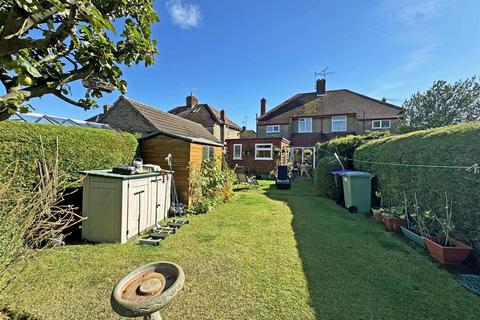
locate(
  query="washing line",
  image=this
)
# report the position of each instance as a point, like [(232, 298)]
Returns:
[(475, 168)]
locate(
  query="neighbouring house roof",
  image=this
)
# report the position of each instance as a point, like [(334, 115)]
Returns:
[(169, 124), (248, 134), (333, 102), (204, 114)]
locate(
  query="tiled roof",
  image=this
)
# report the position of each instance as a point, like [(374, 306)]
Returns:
[(341, 101), (248, 134), (204, 114), (171, 124)]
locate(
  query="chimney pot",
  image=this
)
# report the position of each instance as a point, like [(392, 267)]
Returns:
[(191, 101), (106, 108), (244, 128), (321, 84), (222, 115), (263, 106)]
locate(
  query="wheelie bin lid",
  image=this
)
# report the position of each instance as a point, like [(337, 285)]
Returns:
[(359, 174), (340, 172)]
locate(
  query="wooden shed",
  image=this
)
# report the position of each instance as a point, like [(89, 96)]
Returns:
[(186, 153), (162, 133)]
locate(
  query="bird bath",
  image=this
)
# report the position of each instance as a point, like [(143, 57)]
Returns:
[(147, 290)]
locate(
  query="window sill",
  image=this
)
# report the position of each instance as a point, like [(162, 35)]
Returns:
[(261, 159), (237, 159)]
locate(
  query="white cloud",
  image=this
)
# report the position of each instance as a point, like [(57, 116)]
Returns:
[(417, 58), (185, 15)]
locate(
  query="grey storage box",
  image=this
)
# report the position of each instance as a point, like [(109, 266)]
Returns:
[(118, 207)]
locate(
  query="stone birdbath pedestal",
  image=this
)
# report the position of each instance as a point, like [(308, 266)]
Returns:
[(147, 290)]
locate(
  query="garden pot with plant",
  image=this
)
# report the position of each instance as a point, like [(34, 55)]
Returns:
[(394, 218), (442, 246), (416, 224)]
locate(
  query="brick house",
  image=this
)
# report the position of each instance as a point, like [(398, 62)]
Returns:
[(315, 117), (216, 122)]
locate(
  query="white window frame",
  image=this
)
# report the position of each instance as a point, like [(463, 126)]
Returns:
[(338, 119), (305, 121), (241, 147), (273, 128), (269, 148), (380, 127)]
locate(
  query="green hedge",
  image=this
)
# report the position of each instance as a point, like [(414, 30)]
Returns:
[(79, 149), (326, 162), (457, 145)]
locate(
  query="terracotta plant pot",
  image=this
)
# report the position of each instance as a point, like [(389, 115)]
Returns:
[(377, 217), (393, 224), (448, 255)]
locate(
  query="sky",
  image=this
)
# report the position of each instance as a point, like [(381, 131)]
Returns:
[(230, 54)]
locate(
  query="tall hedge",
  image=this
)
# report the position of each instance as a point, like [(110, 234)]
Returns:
[(457, 145), (326, 162), (79, 149)]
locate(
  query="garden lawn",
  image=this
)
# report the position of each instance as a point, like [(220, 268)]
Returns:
[(267, 254)]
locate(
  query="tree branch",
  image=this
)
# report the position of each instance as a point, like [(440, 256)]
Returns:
[(11, 44), (58, 94)]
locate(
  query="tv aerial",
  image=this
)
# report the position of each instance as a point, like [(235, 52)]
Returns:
[(323, 74)]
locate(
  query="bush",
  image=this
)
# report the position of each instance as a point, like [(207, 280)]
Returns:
[(211, 185), (456, 145), (326, 161), (79, 149)]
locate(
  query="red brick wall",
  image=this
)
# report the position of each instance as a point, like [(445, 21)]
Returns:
[(248, 160)]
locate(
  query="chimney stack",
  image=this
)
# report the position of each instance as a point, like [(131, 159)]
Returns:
[(263, 106), (222, 115), (191, 101), (106, 108), (321, 84)]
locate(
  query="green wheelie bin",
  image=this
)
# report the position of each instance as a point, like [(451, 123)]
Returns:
[(357, 190)]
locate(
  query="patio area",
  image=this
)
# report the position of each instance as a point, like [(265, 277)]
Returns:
[(267, 254)]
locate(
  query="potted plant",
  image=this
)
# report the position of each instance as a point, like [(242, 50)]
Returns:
[(394, 218), (416, 227), (443, 247), (377, 214)]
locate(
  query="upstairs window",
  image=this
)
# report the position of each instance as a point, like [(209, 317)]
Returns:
[(304, 125), (381, 124), (264, 151), (339, 123), (274, 128), (237, 152)]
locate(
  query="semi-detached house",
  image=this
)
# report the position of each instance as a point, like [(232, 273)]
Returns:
[(294, 127)]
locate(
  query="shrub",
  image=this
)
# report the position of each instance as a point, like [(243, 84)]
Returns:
[(79, 149), (326, 161), (211, 184), (455, 145)]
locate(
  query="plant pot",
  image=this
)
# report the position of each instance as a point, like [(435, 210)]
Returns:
[(377, 217), (413, 235), (393, 224), (448, 255)]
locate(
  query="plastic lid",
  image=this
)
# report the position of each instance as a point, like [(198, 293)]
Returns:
[(341, 171), (358, 174)]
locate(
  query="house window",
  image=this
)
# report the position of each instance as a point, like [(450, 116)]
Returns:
[(381, 124), (339, 123), (237, 152), (207, 153), (274, 128), (264, 151), (305, 125)]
